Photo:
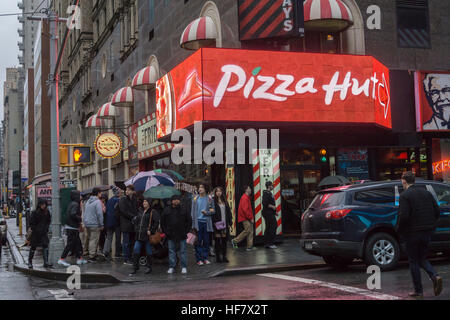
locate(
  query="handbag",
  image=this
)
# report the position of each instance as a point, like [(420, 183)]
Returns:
[(191, 238), (220, 225), (156, 237)]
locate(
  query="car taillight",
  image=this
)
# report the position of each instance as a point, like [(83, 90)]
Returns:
[(337, 214)]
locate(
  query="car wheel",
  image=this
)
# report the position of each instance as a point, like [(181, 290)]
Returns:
[(382, 250), (337, 262)]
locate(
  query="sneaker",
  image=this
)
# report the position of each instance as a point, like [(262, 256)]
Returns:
[(250, 249), (63, 262), (234, 244), (128, 263), (184, 271), (211, 252), (206, 261), (416, 295), (81, 261), (273, 246), (200, 263), (170, 271)]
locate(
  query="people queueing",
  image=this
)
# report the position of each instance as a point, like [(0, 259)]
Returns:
[(201, 212), (222, 221), (93, 222), (128, 209), (246, 217), (176, 222), (146, 223), (73, 227), (269, 214), (102, 239), (112, 225), (39, 225)]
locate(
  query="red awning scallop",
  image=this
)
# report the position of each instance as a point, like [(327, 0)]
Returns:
[(201, 32), (95, 122), (145, 78), (123, 97), (327, 15), (107, 111)]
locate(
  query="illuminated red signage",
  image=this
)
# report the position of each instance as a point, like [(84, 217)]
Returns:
[(441, 166), (264, 86)]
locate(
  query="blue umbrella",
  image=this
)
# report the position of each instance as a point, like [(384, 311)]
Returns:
[(143, 183)]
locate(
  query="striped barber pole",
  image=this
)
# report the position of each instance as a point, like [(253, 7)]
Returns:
[(277, 187), (257, 193), (145, 78), (123, 97), (230, 194), (200, 29), (107, 111)]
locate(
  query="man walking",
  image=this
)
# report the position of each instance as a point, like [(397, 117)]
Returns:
[(176, 223), (128, 209), (112, 225), (269, 213), (93, 221), (245, 215), (418, 214)]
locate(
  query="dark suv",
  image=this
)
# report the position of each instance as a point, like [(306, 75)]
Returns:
[(359, 221)]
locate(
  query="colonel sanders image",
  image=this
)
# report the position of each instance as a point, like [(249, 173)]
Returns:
[(437, 90)]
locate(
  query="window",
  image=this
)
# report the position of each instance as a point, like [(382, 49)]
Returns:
[(413, 24), (383, 196), (328, 200), (443, 194)]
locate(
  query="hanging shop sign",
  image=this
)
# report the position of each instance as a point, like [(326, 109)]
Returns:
[(108, 145), (217, 84), (441, 166), (147, 142), (432, 93)]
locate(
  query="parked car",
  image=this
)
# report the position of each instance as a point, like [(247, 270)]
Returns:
[(359, 221)]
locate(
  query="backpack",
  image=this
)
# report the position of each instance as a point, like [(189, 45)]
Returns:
[(117, 210)]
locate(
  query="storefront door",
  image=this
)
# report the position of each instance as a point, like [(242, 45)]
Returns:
[(298, 187)]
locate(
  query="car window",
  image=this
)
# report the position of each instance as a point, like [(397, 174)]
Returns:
[(382, 196), (328, 200), (443, 194)]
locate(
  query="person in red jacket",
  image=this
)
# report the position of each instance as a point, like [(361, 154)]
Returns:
[(245, 215)]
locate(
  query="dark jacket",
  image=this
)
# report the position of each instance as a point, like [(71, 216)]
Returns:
[(218, 216), (418, 211), (111, 222), (267, 200), (73, 218), (128, 209), (39, 224), (176, 222), (141, 222)]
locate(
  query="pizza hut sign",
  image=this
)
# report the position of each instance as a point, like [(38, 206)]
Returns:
[(108, 145)]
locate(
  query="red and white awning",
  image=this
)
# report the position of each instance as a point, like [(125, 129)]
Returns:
[(145, 78), (107, 111), (123, 97), (327, 15), (201, 32), (95, 122)]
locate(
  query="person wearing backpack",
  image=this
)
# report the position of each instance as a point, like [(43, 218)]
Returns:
[(201, 212), (112, 224)]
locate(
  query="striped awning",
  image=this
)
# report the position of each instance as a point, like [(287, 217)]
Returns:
[(95, 122), (145, 78), (107, 111), (201, 32), (327, 15), (123, 97)]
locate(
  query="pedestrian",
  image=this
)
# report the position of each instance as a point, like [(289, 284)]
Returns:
[(112, 225), (146, 223), (39, 225), (102, 238), (176, 223), (245, 216), (418, 214), (128, 209), (93, 221), (201, 212), (221, 224), (269, 214), (72, 227)]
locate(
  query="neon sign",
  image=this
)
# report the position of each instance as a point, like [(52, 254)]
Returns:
[(441, 166)]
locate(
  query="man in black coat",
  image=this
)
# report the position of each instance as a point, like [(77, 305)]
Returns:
[(269, 213), (128, 209), (418, 214), (39, 225)]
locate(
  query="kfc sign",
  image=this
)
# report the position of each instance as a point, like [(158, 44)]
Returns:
[(266, 86), (441, 166)]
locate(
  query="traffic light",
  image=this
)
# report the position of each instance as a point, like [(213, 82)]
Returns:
[(81, 155), (323, 155), (63, 156)]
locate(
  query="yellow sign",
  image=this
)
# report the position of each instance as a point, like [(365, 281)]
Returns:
[(108, 145), (229, 177)]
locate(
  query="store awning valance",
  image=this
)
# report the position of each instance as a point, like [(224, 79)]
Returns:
[(145, 78), (201, 32), (327, 15), (107, 111), (123, 97), (95, 122)]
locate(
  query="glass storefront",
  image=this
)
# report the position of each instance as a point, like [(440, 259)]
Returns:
[(392, 162)]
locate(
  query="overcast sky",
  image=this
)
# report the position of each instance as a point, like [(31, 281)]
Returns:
[(8, 42)]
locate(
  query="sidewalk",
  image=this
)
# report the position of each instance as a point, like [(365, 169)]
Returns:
[(288, 256)]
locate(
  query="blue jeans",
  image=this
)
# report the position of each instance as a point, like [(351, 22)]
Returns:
[(126, 246), (202, 248), (138, 247), (173, 253), (417, 250)]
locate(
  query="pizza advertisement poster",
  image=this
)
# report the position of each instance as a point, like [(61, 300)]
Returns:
[(432, 94)]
